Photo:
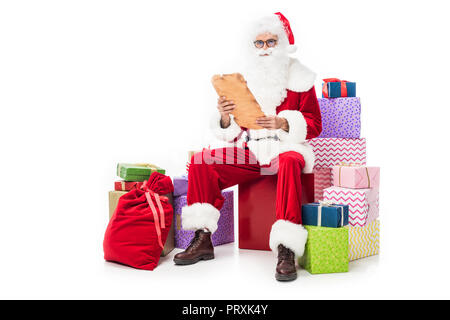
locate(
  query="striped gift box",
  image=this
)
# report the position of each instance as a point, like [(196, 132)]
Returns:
[(330, 152), (322, 179), (363, 203), (364, 241)]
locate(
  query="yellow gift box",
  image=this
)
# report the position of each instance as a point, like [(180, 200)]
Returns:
[(364, 241)]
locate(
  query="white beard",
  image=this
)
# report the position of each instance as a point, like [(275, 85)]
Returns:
[(267, 78)]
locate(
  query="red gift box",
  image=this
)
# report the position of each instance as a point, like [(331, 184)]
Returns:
[(127, 185), (257, 209)]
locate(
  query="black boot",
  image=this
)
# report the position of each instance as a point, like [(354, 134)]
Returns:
[(286, 270), (201, 248)]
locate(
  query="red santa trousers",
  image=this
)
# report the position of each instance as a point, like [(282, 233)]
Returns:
[(211, 171)]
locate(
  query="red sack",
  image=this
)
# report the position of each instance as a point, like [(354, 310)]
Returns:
[(137, 231)]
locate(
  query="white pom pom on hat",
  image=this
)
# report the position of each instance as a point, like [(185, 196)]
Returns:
[(292, 48)]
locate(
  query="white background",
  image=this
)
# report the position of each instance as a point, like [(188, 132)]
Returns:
[(87, 84)]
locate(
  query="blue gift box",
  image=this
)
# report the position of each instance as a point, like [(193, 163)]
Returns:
[(331, 215), (334, 89)]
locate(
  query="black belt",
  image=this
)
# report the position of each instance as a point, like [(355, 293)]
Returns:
[(248, 138)]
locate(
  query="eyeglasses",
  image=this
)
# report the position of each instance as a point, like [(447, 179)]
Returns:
[(270, 43)]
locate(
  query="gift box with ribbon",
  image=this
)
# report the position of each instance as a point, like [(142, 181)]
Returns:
[(341, 118), (180, 185), (137, 171), (356, 176), (127, 185), (330, 152), (362, 204), (336, 88), (225, 226), (325, 214), (364, 241), (326, 250)]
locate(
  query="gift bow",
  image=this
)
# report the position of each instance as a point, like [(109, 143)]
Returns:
[(158, 198), (344, 164), (147, 165), (328, 204), (325, 203), (353, 165), (343, 86), (124, 187)]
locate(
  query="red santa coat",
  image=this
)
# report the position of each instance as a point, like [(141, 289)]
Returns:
[(294, 99), (299, 106)]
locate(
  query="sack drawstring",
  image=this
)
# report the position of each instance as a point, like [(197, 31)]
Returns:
[(158, 198)]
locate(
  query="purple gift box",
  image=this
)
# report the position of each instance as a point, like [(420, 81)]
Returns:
[(180, 185), (341, 117), (225, 225)]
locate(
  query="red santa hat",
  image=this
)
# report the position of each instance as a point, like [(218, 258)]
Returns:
[(277, 24)]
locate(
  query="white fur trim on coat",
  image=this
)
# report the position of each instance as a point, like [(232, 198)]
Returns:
[(292, 236), (264, 150), (261, 133), (297, 127), (198, 216), (301, 78), (225, 134), (267, 149)]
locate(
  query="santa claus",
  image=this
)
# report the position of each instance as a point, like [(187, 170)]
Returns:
[(284, 88)]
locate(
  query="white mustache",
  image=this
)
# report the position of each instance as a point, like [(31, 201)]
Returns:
[(261, 52)]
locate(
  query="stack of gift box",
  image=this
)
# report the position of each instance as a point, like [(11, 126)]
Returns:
[(342, 225), (225, 226), (133, 176)]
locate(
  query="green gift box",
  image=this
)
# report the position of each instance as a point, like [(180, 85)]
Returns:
[(137, 171), (326, 250)]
